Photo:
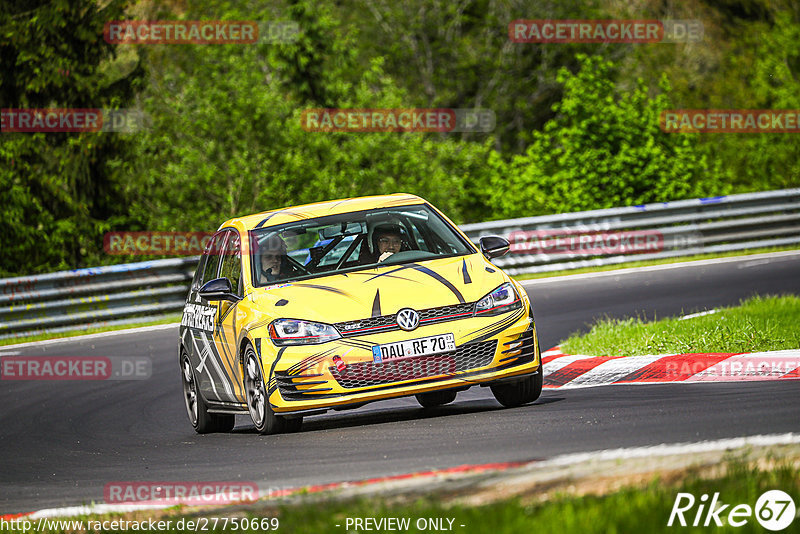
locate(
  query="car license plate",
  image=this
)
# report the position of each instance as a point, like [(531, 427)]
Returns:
[(423, 346)]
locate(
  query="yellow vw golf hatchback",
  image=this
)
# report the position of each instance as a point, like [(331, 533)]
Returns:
[(333, 305)]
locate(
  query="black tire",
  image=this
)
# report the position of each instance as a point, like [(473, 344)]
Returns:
[(264, 419), (518, 393), (202, 421), (436, 398)]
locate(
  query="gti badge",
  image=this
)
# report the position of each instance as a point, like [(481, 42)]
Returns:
[(407, 319)]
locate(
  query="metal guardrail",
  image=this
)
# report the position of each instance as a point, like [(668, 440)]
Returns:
[(670, 229), (139, 292), (95, 297)]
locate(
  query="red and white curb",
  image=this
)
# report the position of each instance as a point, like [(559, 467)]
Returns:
[(566, 371)]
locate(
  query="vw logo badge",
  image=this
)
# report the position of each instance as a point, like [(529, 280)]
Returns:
[(407, 319)]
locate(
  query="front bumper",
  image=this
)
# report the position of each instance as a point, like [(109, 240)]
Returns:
[(307, 379)]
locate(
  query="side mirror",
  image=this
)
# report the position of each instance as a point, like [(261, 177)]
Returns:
[(218, 289), (494, 246)]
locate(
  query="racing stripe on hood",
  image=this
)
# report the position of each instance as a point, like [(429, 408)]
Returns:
[(465, 271), (442, 279), (433, 274), (388, 275), (376, 304), (327, 288)]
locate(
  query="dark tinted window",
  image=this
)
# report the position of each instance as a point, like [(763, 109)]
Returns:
[(197, 279), (213, 257), (232, 261)]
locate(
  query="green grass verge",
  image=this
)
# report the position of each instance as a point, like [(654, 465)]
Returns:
[(41, 337), (633, 509), (665, 261), (759, 323)]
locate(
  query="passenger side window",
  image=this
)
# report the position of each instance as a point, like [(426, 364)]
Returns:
[(232, 262), (213, 252), (197, 279)]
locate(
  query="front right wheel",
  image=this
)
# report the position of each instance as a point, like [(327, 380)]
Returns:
[(264, 419), (202, 421), (518, 393)]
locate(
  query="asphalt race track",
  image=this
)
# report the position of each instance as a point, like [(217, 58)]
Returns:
[(61, 442)]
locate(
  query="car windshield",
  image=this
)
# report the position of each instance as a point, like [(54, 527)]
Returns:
[(351, 241)]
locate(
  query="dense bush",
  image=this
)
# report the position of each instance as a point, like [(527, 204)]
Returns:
[(603, 149)]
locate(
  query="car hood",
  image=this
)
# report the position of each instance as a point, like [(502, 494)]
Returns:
[(381, 291)]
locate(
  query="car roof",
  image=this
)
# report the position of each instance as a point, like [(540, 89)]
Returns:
[(319, 209)]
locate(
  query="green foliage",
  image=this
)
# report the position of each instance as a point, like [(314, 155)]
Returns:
[(227, 137), (603, 149), (58, 191), (760, 161), (451, 54)]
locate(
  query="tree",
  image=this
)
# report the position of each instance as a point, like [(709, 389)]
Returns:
[(58, 190), (603, 149), (227, 138)]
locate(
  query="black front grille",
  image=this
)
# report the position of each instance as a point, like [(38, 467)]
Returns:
[(446, 313), (464, 358), (386, 323), (352, 328)]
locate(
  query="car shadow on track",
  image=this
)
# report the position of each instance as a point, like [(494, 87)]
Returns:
[(374, 416)]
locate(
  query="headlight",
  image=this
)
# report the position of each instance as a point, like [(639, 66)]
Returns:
[(296, 332), (501, 300)]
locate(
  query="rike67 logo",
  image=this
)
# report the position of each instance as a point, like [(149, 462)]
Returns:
[(774, 510)]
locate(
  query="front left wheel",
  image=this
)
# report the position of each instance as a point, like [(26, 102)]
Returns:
[(264, 419)]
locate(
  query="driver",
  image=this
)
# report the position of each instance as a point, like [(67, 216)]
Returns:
[(387, 240), (273, 262)]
